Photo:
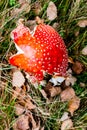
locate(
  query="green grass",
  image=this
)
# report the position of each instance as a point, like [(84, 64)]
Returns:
[(69, 13), (6, 107)]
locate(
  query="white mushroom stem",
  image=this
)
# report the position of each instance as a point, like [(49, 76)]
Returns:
[(57, 80)]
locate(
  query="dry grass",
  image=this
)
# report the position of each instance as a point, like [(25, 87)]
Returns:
[(69, 13)]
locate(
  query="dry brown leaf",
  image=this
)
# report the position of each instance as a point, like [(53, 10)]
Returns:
[(84, 51), (23, 99), (64, 116), (82, 23), (42, 128), (70, 80), (44, 94), (26, 88), (77, 67), (69, 71), (82, 84), (67, 124), (51, 11), (37, 7), (21, 123), (67, 94), (26, 102), (32, 80), (76, 33), (39, 20), (35, 126), (56, 25), (70, 60), (24, 1), (2, 88), (25, 122), (19, 109), (51, 90), (54, 91), (25, 7), (74, 104), (31, 24), (18, 79), (16, 92)]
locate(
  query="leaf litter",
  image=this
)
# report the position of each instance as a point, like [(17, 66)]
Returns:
[(73, 104), (24, 102), (18, 79), (78, 67), (84, 51), (67, 94), (51, 11), (67, 125)]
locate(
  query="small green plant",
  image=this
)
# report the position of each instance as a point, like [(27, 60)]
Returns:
[(12, 2)]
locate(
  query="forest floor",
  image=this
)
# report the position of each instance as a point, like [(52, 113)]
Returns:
[(22, 105)]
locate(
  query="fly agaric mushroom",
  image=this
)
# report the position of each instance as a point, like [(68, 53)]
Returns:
[(40, 51)]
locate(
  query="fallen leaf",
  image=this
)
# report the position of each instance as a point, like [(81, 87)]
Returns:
[(67, 94), (51, 11), (82, 84), (24, 1), (64, 116), (44, 94), (26, 122), (2, 88), (39, 20), (82, 23), (24, 7), (19, 109), (16, 92), (37, 7), (23, 99), (31, 24), (51, 90), (70, 60), (32, 121), (69, 71), (26, 102), (54, 91), (84, 51), (21, 123), (26, 88), (77, 67), (70, 80), (74, 104), (42, 128), (32, 80), (18, 79), (76, 33), (67, 124), (35, 126), (55, 25)]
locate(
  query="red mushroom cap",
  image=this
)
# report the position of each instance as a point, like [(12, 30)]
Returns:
[(42, 51)]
